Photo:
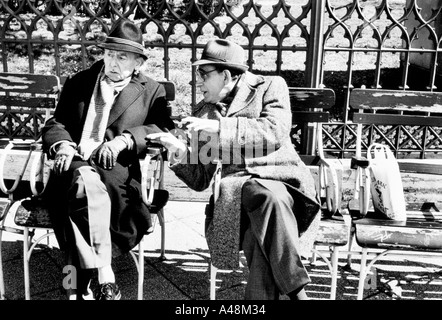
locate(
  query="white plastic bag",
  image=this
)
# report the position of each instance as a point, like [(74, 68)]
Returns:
[(386, 183)]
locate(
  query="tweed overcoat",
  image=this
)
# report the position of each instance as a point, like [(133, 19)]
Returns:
[(139, 109), (254, 141)]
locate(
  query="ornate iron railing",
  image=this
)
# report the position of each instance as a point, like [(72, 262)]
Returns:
[(339, 44)]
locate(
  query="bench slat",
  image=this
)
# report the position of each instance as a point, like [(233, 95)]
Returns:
[(387, 234), (372, 99), (28, 102), (302, 99), (309, 116), (392, 119), (29, 83), (332, 232), (421, 167)]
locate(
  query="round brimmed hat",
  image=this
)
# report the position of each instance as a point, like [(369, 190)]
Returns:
[(223, 52), (125, 36)]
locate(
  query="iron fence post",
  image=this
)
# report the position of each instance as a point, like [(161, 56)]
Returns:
[(313, 66)]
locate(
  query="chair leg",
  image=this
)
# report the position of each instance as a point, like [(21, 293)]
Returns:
[(2, 279), (26, 263), (350, 244), (362, 274), (334, 276), (213, 270), (160, 215), (140, 269), (312, 259)]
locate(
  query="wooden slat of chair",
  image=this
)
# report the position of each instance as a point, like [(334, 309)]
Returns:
[(381, 99), (311, 104), (26, 93), (29, 83)]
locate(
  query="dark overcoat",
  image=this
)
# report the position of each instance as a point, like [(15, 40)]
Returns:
[(254, 140), (139, 109)]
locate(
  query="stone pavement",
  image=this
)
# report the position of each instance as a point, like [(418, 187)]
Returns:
[(184, 275)]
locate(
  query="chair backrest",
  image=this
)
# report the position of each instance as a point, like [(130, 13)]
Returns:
[(26, 101), (170, 89), (398, 108), (310, 109), (395, 107), (310, 106)]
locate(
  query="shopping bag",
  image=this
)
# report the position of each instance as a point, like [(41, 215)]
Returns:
[(386, 183)]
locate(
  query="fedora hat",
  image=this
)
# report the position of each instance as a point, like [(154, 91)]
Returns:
[(125, 36), (223, 52)]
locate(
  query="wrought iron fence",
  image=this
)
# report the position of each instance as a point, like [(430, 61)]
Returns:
[(339, 44)]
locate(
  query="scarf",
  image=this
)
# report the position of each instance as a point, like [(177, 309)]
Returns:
[(103, 97)]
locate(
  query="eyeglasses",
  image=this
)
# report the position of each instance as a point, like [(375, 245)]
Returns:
[(201, 75)]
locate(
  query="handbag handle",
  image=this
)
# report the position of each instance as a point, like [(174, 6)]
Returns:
[(379, 149)]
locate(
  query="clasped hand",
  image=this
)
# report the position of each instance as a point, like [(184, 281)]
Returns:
[(107, 153)]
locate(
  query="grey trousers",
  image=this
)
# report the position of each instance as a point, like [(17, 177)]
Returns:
[(89, 217), (271, 241)]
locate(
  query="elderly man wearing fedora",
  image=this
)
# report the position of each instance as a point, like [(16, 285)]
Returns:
[(96, 137), (267, 204)]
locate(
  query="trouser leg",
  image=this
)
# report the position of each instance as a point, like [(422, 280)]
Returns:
[(271, 245), (82, 277), (89, 215), (260, 284)]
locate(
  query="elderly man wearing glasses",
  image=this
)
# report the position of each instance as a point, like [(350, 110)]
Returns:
[(267, 204)]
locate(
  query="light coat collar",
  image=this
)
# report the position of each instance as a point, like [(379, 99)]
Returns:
[(248, 85)]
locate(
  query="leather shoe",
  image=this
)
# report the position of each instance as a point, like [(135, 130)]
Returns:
[(108, 291)]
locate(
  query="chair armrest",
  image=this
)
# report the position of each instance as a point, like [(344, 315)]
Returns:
[(148, 182), (22, 145), (331, 187), (38, 168)]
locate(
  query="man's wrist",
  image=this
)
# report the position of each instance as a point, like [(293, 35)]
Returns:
[(128, 139), (57, 145), (121, 142), (66, 144)]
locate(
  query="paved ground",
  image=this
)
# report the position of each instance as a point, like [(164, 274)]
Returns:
[(184, 275)]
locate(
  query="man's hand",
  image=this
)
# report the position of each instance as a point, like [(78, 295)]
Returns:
[(63, 157), (175, 147), (197, 124), (108, 152)]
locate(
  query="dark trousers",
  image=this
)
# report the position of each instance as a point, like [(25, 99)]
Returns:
[(271, 241)]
